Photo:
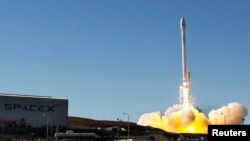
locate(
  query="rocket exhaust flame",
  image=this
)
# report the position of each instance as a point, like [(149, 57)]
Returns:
[(177, 120), (184, 118)]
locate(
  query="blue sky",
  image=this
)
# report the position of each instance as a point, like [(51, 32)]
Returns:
[(114, 56)]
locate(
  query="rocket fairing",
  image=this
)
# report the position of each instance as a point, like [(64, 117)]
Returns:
[(185, 97)]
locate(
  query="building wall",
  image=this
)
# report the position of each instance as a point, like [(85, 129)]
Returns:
[(33, 111)]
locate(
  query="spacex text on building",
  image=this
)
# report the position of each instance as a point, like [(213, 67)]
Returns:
[(31, 108)]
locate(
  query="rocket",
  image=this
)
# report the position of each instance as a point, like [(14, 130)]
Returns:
[(183, 50), (185, 97)]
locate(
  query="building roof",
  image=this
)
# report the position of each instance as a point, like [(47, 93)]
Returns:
[(27, 96)]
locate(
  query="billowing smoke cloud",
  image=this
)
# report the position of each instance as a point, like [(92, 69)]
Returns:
[(233, 113), (177, 120), (154, 119)]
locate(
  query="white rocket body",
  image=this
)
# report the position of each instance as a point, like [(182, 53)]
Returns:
[(185, 97)]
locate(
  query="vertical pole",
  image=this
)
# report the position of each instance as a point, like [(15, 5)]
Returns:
[(128, 123), (225, 122), (47, 134)]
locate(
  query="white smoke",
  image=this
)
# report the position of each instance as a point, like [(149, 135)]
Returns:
[(172, 109), (175, 112), (154, 119), (175, 119), (233, 113)]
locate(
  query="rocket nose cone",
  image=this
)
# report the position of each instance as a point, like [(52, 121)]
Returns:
[(182, 22)]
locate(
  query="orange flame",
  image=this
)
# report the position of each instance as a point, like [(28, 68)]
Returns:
[(178, 121)]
